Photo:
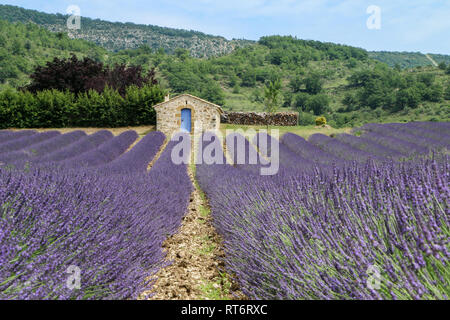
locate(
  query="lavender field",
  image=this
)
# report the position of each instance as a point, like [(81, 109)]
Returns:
[(369, 220), (78, 200), (354, 216)]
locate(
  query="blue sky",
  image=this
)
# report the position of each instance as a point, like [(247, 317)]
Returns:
[(406, 25)]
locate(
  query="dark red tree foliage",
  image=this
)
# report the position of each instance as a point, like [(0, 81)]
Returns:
[(79, 76)]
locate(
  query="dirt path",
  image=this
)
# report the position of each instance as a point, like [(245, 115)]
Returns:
[(196, 255), (431, 59)]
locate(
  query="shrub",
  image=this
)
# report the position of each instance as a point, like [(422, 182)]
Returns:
[(57, 109), (80, 76), (321, 121), (305, 119), (318, 104)]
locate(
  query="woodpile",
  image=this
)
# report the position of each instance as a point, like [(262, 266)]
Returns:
[(261, 118)]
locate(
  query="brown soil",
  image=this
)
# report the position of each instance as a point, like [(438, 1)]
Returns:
[(196, 255)]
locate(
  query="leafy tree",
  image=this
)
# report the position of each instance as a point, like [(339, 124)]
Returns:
[(249, 78), (447, 93), (272, 93), (182, 54), (213, 92), (350, 101), (318, 104), (433, 93), (408, 97), (313, 84), (299, 101), (442, 65), (296, 83), (83, 75), (426, 78)]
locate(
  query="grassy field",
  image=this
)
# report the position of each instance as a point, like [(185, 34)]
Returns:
[(303, 131)]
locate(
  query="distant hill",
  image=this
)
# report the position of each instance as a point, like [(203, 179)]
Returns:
[(23, 47), (407, 59), (115, 36), (348, 85)]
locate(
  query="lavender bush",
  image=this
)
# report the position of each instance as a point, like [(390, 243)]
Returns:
[(308, 150), (83, 145), (138, 158), (424, 143), (110, 226), (343, 150), (368, 145), (8, 135), (320, 235), (104, 153), (28, 140), (41, 149)]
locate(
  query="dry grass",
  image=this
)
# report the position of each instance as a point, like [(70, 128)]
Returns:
[(304, 131)]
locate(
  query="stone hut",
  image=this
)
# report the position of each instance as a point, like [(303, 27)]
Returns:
[(184, 112)]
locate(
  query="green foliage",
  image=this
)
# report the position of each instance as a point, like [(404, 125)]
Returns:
[(313, 84), (306, 119), (211, 91), (447, 93), (299, 101), (56, 109), (426, 78), (442, 65), (318, 104), (25, 46), (406, 59), (115, 36), (408, 97), (357, 88), (350, 101), (271, 94), (321, 121)]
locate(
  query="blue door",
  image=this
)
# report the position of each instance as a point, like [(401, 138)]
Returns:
[(186, 120)]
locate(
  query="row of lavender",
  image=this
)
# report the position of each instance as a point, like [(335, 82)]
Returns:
[(357, 225), (82, 201)]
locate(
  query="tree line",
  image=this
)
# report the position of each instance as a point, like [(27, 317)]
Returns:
[(82, 93)]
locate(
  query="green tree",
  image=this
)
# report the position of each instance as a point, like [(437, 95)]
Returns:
[(213, 92), (442, 65), (350, 101), (299, 101), (272, 93), (296, 83), (426, 78), (318, 104), (182, 54), (313, 84), (249, 78), (408, 97), (447, 93)]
